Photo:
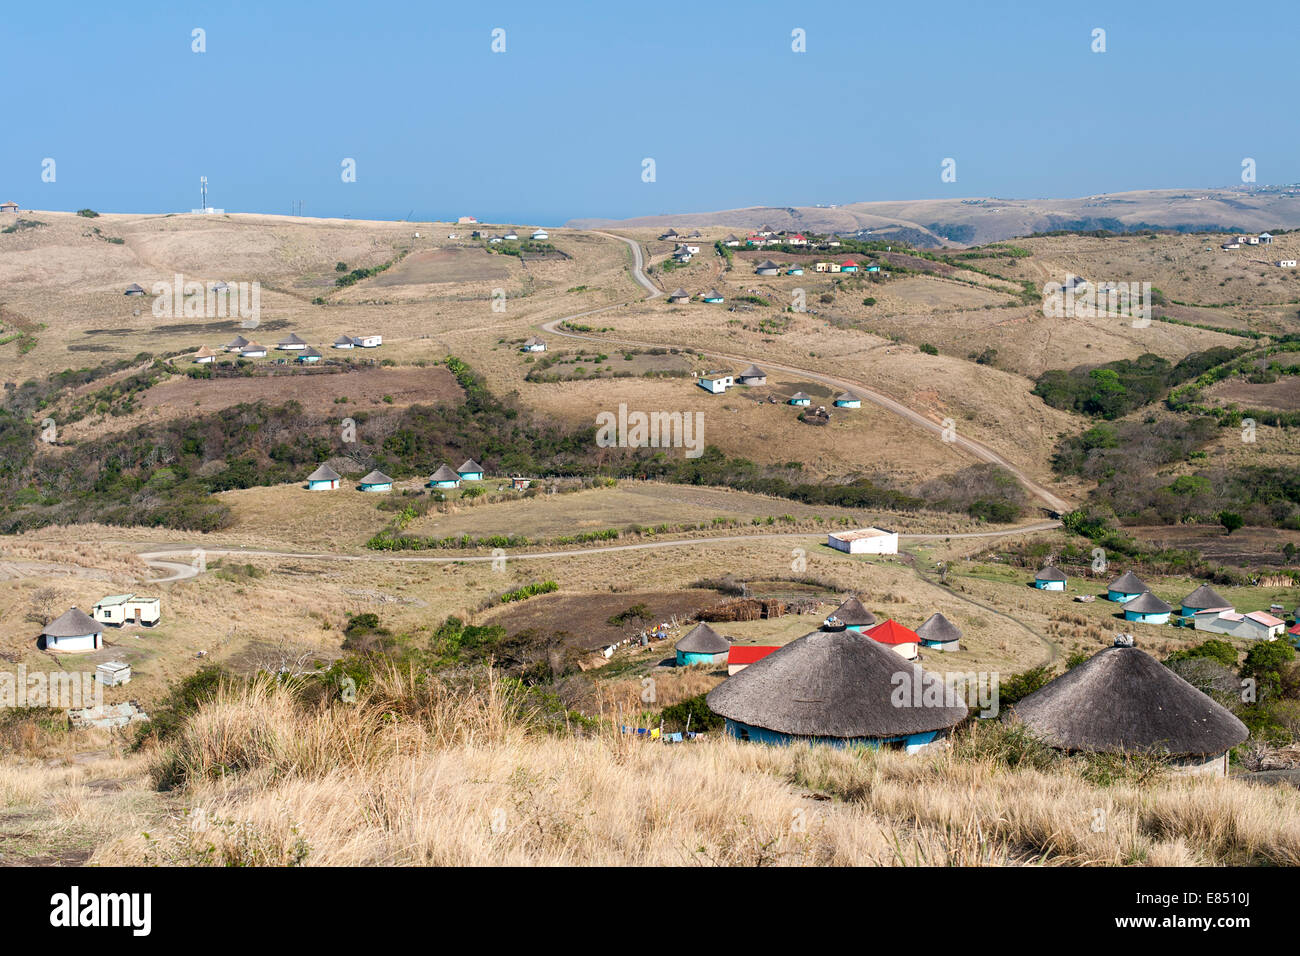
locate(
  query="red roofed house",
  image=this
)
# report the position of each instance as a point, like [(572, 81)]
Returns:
[(848, 265), (896, 636), (796, 240), (740, 657)]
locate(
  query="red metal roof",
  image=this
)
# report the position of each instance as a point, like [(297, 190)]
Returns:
[(748, 654), (848, 262), (891, 632)]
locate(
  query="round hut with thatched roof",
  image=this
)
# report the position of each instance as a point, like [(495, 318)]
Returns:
[(702, 645), (940, 633), (1122, 700), (1125, 588), (1148, 609), (1204, 598), (837, 687), (1050, 578), (678, 296), (323, 478), (72, 631), (852, 614)]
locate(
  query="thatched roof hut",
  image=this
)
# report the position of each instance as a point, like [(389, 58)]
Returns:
[(837, 685), (1203, 599), (1127, 583), (938, 631), (324, 473), (71, 623), (1147, 603), (852, 613), (1050, 573), (702, 645), (1124, 700)]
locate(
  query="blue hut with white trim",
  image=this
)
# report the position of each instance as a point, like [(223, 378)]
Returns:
[(376, 481), (444, 477), (1051, 578), (847, 400), (323, 478)]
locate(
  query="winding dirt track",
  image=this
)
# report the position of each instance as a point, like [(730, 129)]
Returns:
[(968, 445)]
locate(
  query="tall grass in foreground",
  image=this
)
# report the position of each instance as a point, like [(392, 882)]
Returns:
[(419, 772)]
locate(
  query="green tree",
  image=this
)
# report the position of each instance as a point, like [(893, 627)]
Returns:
[(1265, 663), (1230, 520)]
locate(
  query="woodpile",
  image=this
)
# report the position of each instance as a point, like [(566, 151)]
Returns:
[(744, 609)]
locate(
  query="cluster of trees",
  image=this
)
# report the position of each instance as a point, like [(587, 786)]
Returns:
[(1116, 388)]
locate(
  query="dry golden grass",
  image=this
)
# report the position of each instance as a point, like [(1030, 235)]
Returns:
[(418, 776)]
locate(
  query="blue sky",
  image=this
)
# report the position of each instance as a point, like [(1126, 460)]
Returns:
[(557, 126)]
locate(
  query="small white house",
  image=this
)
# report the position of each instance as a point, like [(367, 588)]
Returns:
[(73, 632), (1251, 240), (368, 341), (864, 541), (253, 350), (1286, 263), (122, 609), (541, 234), (204, 356), (1231, 245), (1265, 239), (345, 342), (534, 344), (716, 382)]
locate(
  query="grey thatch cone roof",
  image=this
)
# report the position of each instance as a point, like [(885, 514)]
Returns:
[(1123, 699), (1205, 597), (324, 473), (292, 340), (847, 397), (703, 639), (71, 623), (713, 294), (1050, 573), (1128, 583), (376, 477), (444, 474), (470, 465), (679, 294), (938, 628), (753, 372), (853, 613), (1147, 603), (766, 264), (835, 684)]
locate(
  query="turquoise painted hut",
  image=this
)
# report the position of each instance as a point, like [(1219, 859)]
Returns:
[(853, 615), (444, 477), (323, 478), (1204, 598), (1051, 578), (939, 633), (847, 400), (848, 265), (1125, 588), (470, 471), (376, 481), (840, 688), (1124, 701), (713, 296), (1147, 609), (309, 356), (800, 398), (703, 645)]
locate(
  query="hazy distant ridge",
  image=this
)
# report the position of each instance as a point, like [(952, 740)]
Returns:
[(967, 221)]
